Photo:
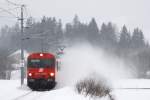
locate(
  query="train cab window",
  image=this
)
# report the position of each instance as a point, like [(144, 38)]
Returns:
[(41, 63)]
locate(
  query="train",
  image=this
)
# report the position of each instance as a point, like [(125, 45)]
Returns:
[(41, 71)]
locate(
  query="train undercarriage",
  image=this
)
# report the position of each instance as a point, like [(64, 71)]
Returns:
[(41, 84)]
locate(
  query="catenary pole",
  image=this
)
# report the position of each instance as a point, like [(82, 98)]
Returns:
[(22, 49)]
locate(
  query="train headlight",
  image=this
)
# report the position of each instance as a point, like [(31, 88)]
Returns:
[(52, 74), (30, 74), (41, 54)]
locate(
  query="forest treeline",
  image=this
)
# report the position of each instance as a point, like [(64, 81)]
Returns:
[(48, 34)]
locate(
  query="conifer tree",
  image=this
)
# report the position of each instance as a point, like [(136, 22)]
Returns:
[(137, 40), (125, 38), (108, 36), (93, 31)]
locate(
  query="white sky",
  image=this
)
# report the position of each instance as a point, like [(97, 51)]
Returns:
[(133, 13)]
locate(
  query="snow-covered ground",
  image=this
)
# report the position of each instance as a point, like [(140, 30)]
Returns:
[(77, 63), (11, 90), (132, 89)]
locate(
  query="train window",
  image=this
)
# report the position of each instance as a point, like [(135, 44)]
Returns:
[(41, 63), (35, 60)]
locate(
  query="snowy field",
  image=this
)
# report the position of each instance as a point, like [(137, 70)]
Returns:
[(132, 89), (11, 90), (77, 65)]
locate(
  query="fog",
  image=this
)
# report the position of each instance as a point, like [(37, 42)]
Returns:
[(84, 60)]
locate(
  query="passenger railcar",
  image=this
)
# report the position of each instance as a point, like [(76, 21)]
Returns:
[(41, 71)]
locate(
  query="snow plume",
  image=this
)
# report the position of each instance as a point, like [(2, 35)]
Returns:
[(81, 61)]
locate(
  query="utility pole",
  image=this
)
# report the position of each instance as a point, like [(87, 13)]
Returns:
[(22, 51), (42, 37)]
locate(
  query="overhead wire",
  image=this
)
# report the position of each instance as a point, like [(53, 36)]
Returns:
[(8, 11), (13, 3), (26, 12), (7, 17)]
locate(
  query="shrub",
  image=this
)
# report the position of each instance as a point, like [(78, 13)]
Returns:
[(93, 88)]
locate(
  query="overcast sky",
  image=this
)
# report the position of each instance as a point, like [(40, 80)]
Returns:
[(133, 13)]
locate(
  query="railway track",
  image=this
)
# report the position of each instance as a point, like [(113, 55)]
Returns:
[(35, 95), (22, 96), (133, 88), (31, 95)]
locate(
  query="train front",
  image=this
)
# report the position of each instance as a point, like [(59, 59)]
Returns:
[(41, 71)]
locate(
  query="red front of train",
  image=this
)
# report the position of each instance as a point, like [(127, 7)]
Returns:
[(41, 70)]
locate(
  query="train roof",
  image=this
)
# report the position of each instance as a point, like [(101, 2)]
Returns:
[(41, 55)]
